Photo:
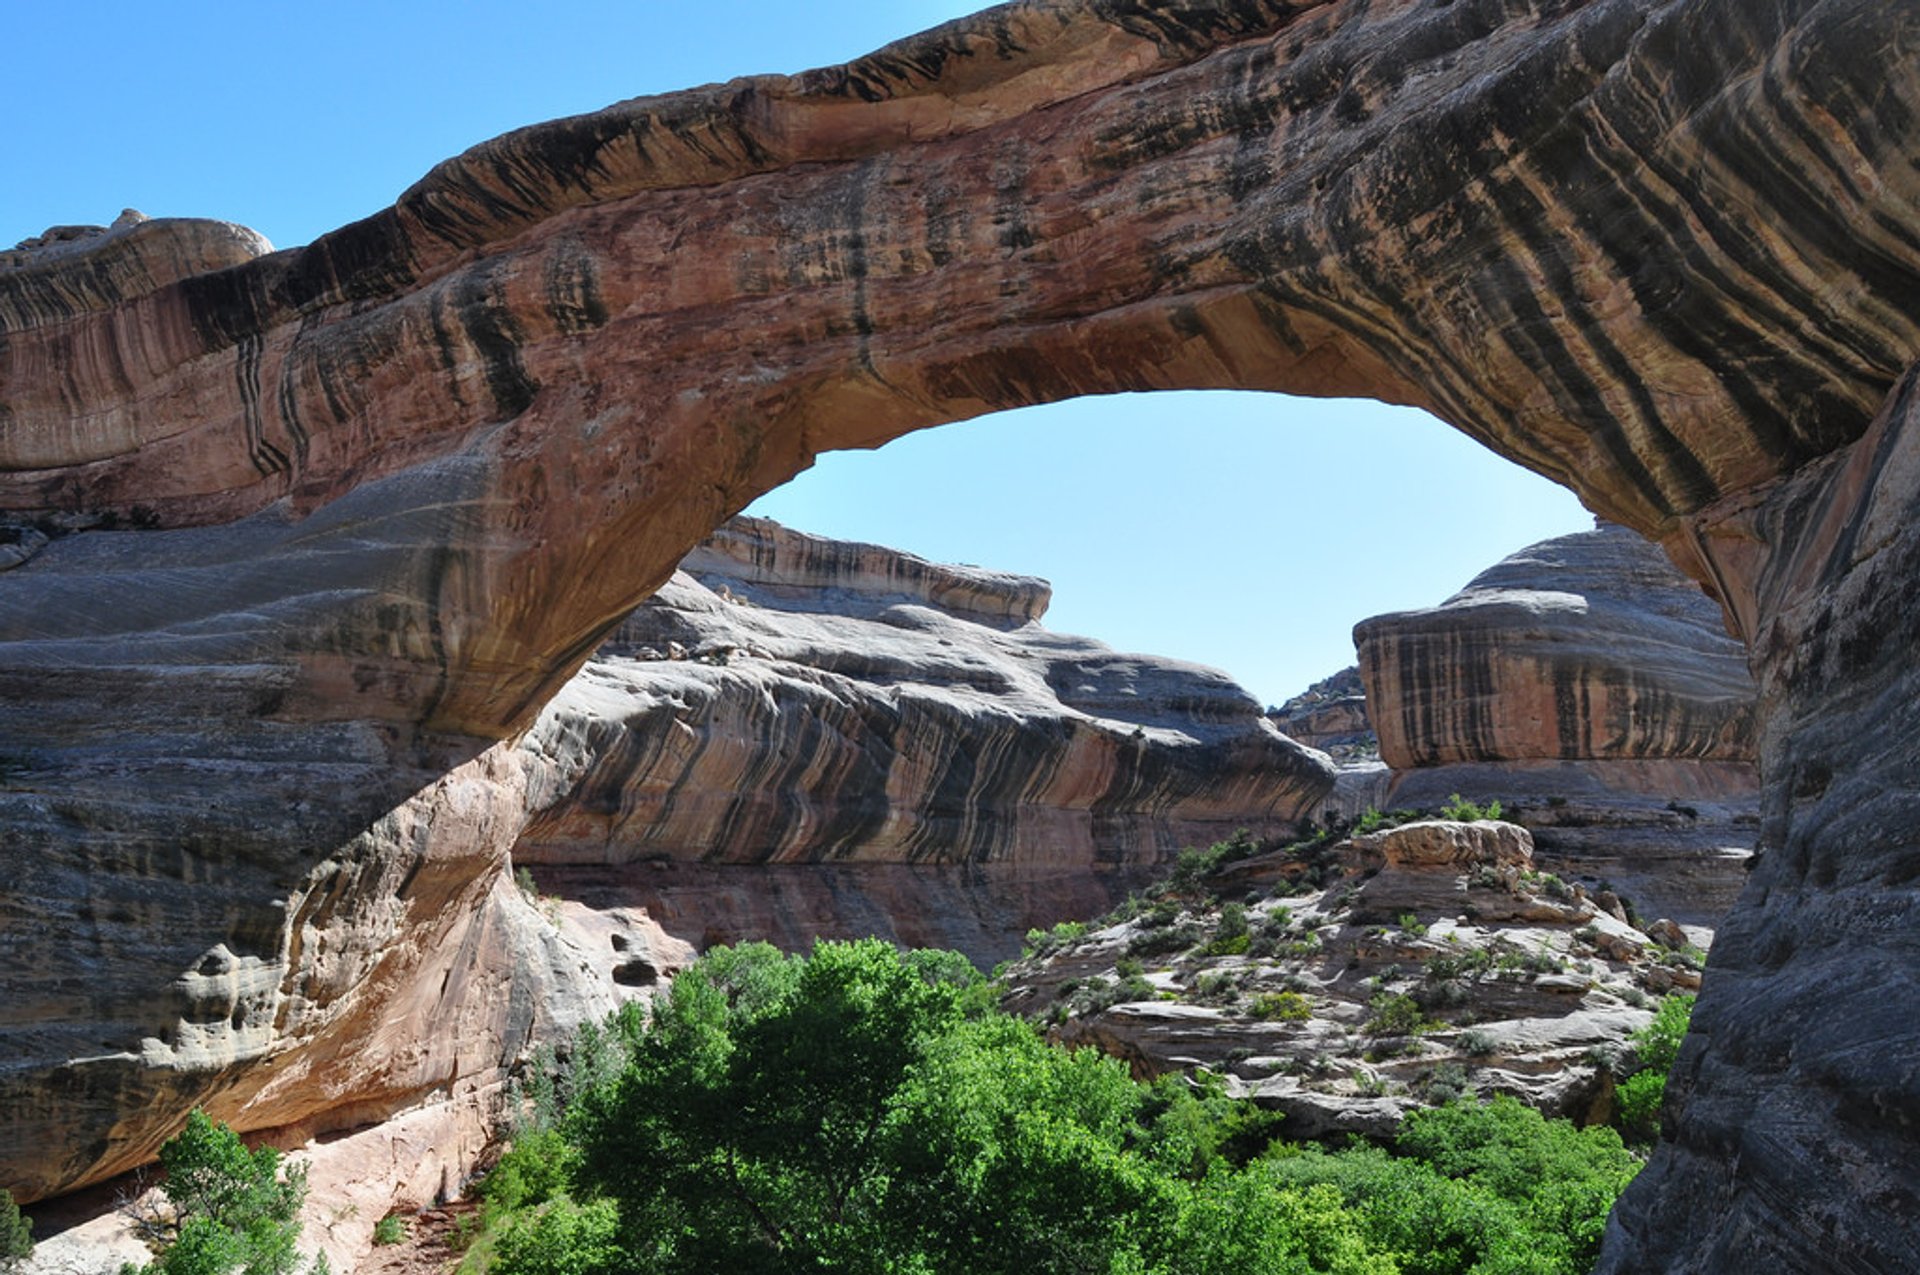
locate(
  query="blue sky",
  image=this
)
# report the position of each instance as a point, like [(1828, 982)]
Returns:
[(1244, 531)]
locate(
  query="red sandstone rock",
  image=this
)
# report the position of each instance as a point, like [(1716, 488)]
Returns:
[(1659, 250)]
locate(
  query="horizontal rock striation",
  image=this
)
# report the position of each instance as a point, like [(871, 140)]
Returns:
[(408, 477), (1591, 689), (789, 699), (1589, 647), (793, 699)]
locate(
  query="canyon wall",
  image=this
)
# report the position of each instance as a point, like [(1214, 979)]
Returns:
[(300, 538), (800, 736), (1588, 647)]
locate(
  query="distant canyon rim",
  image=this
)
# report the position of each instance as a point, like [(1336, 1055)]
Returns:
[(301, 542)]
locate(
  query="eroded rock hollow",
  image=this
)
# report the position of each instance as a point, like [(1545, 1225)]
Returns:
[(302, 537)]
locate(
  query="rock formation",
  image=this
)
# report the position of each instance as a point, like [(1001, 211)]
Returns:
[(1518, 983), (1592, 689), (1589, 647), (955, 772), (1330, 715), (326, 526)]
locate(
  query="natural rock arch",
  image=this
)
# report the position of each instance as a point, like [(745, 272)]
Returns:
[(393, 486)]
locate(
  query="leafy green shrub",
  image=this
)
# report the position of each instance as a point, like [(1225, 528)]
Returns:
[(1641, 1095), (1284, 1007), (391, 1229), (1065, 933), (560, 1238), (234, 1210), (16, 1234), (1476, 1044), (1216, 989), (1445, 1083), (536, 1168), (1461, 810), (1174, 938), (1469, 964), (1373, 819), (1158, 916), (1392, 1014)]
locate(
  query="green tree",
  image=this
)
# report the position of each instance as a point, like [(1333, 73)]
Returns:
[(860, 1112), (234, 1210), (1009, 1155), (16, 1234), (1655, 1046), (745, 1132)]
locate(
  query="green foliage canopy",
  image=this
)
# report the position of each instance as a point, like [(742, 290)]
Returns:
[(234, 1209), (863, 1111)]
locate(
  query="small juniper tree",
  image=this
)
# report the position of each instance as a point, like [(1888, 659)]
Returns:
[(16, 1234)]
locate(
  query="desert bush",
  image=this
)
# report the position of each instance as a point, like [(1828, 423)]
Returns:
[(1392, 1014), (1285, 1007), (1463, 811)]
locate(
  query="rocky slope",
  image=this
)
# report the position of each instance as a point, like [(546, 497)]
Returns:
[(951, 772), (324, 527), (1363, 978)]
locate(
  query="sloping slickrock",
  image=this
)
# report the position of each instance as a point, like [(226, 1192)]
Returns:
[(828, 707), (1589, 647), (402, 481)]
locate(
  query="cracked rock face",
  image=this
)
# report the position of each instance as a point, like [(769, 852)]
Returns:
[(1519, 983), (337, 521)]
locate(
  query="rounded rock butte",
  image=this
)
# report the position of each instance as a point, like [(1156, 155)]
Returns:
[(328, 525)]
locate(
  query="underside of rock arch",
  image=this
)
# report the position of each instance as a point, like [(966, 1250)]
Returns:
[(303, 536)]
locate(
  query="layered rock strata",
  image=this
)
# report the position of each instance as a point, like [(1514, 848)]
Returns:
[(1330, 715), (800, 737), (1589, 647), (791, 699), (1592, 690), (386, 492)]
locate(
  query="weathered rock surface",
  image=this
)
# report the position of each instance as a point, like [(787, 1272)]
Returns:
[(1589, 647), (388, 491), (1674, 837), (1592, 690), (789, 698), (1330, 715), (1522, 983), (1798, 1082)]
